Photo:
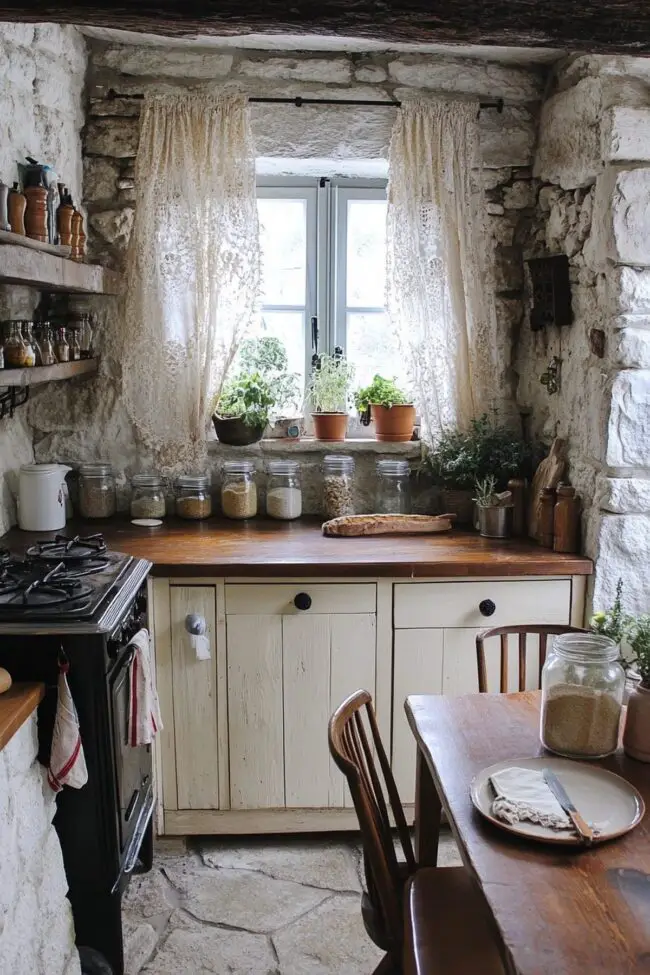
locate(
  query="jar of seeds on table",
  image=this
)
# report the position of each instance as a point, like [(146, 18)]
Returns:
[(238, 490), (338, 485), (147, 496), (193, 498), (96, 491)]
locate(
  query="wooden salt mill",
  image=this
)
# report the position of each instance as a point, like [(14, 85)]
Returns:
[(566, 521), (36, 213), (78, 236), (546, 517), (64, 216), (16, 204)]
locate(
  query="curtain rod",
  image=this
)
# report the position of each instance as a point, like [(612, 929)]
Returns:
[(298, 101)]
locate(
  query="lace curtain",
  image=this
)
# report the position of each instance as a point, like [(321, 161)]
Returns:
[(438, 295), (194, 267)]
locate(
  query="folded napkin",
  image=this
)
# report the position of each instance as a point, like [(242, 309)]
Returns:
[(522, 793), (144, 708)]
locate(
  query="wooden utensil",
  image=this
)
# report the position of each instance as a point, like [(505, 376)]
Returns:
[(548, 475), (350, 526)]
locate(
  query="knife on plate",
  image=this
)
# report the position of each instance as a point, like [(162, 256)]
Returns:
[(583, 829)]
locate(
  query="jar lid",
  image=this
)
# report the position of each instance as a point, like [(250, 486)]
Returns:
[(393, 467), (586, 646), (283, 466), (41, 468), (146, 480), (197, 481), (95, 470), (238, 467), (339, 463)]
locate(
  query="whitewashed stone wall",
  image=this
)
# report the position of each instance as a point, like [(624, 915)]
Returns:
[(42, 73), (593, 161), (36, 928)]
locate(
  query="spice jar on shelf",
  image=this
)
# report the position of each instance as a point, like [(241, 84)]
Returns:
[(16, 353), (238, 489), (193, 498), (96, 491), (338, 485), (61, 346), (393, 488), (283, 492), (582, 694), (147, 496), (46, 345), (30, 345)]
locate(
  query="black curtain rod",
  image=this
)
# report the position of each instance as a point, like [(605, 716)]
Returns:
[(298, 101)]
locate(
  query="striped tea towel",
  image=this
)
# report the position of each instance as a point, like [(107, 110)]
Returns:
[(67, 760), (144, 709)]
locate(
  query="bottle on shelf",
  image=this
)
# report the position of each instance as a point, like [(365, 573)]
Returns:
[(4, 211), (36, 213), (73, 342), (64, 216), (15, 352), (546, 517), (566, 521), (30, 345), (46, 345), (86, 337), (16, 205), (78, 236), (61, 347), (518, 487)]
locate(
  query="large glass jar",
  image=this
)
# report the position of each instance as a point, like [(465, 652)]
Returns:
[(193, 498), (338, 485), (582, 693), (96, 491), (238, 489), (393, 489), (283, 492), (147, 496)]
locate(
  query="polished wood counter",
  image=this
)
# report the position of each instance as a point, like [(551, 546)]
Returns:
[(264, 548), (16, 705)]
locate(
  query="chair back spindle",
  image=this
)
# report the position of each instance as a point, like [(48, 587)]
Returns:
[(543, 631)]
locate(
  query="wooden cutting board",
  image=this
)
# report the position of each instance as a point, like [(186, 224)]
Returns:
[(548, 475), (351, 526)]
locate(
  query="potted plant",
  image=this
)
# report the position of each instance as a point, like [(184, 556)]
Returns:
[(385, 404), (241, 412), (636, 737), (328, 396), (267, 356), (494, 514)]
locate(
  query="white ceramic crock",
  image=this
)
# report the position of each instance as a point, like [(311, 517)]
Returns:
[(41, 497)]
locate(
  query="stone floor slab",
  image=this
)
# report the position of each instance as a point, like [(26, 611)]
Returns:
[(140, 939), (242, 899), (196, 949), (150, 894), (330, 940), (330, 863)]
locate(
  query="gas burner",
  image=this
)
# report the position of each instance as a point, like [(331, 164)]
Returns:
[(5, 556), (70, 550), (24, 585)]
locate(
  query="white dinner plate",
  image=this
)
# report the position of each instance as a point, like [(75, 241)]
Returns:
[(608, 803)]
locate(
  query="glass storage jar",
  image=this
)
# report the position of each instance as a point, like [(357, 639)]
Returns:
[(393, 488), (193, 498), (338, 485), (283, 491), (238, 489), (147, 496), (30, 345), (96, 491), (16, 353), (582, 693)]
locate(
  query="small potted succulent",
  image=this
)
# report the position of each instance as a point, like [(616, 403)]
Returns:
[(241, 411), (636, 737), (388, 407), (328, 396), (494, 510)]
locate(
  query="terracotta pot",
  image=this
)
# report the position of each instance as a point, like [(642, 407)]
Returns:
[(636, 736), (393, 424), (459, 502), (233, 431), (330, 426)]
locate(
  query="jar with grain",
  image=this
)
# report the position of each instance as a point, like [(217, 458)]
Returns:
[(15, 351), (283, 492), (193, 498), (96, 491), (582, 694), (147, 496), (238, 489), (393, 488), (338, 485)]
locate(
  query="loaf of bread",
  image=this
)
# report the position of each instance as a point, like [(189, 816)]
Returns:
[(350, 526)]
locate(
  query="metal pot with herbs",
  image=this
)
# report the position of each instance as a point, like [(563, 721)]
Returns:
[(388, 407)]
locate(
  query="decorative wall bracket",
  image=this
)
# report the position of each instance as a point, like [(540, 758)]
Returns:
[(11, 398), (551, 376)]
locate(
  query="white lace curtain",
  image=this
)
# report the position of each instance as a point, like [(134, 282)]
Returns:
[(438, 294), (194, 267)]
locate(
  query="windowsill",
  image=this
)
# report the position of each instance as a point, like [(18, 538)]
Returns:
[(307, 445)]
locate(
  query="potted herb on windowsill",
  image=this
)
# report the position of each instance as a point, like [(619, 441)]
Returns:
[(388, 407), (267, 355), (241, 412), (636, 737), (328, 395)]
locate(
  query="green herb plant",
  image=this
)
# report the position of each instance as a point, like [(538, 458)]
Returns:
[(612, 622), (485, 492), (248, 396), (638, 637), (267, 356), (330, 384), (460, 458), (380, 392)]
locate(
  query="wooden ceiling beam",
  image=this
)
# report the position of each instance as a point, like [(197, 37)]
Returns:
[(598, 26)]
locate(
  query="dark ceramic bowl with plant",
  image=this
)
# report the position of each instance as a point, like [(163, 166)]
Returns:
[(388, 407), (242, 411)]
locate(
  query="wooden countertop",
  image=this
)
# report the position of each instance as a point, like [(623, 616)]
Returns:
[(265, 548), (16, 705)]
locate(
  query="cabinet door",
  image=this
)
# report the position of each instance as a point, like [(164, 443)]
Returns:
[(417, 669), (196, 736)]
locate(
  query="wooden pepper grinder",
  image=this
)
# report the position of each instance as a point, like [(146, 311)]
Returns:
[(36, 213), (77, 227), (518, 487), (546, 517), (16, 204), (64, 216), (566, 520)]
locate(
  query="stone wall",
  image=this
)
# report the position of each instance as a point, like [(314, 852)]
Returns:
[(41, 115), (593, 164), (36, 929)]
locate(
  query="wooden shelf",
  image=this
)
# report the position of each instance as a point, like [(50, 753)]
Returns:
[(47, 374), (49, 272)]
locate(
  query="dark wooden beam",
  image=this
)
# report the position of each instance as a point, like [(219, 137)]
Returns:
[(600, 26)]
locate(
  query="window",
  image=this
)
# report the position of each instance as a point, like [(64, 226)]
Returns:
[(323, 256)]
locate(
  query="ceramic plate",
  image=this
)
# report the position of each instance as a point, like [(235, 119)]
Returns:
[(608, 803)]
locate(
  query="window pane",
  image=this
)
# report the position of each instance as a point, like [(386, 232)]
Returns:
[(366, 253), (289, 328), (283, 240), (373, 348)]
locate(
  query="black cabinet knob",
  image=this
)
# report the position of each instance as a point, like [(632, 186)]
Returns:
[(302, 601), (486, 607)]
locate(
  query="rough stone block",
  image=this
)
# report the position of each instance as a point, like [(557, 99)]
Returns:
[(326, 132), (100, 178), (508, 270), (194, 948), (626, 290), (492, 178), (507, 139), (628, 439), (621, 224), (173, 62), (495, 210), (625, 135), (623, 495), (624, 552), (371, 74), (519, 196), (479, 78), (632, 349), (331, 71), (569, 150), (113, 137), (114, 106)]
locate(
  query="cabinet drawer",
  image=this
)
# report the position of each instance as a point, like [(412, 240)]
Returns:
[(263, 600), (452, 604)]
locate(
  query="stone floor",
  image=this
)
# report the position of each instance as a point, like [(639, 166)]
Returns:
[(243, 906)]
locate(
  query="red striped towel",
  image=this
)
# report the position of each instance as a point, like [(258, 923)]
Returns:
[(144, 709), (67, 760)]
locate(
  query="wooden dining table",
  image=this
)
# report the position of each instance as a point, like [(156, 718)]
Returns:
[(557, 910)]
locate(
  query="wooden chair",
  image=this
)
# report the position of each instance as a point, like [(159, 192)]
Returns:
[(355, 742), (522, 632)]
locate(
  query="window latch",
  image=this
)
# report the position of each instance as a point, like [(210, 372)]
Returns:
[(315, 358)]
